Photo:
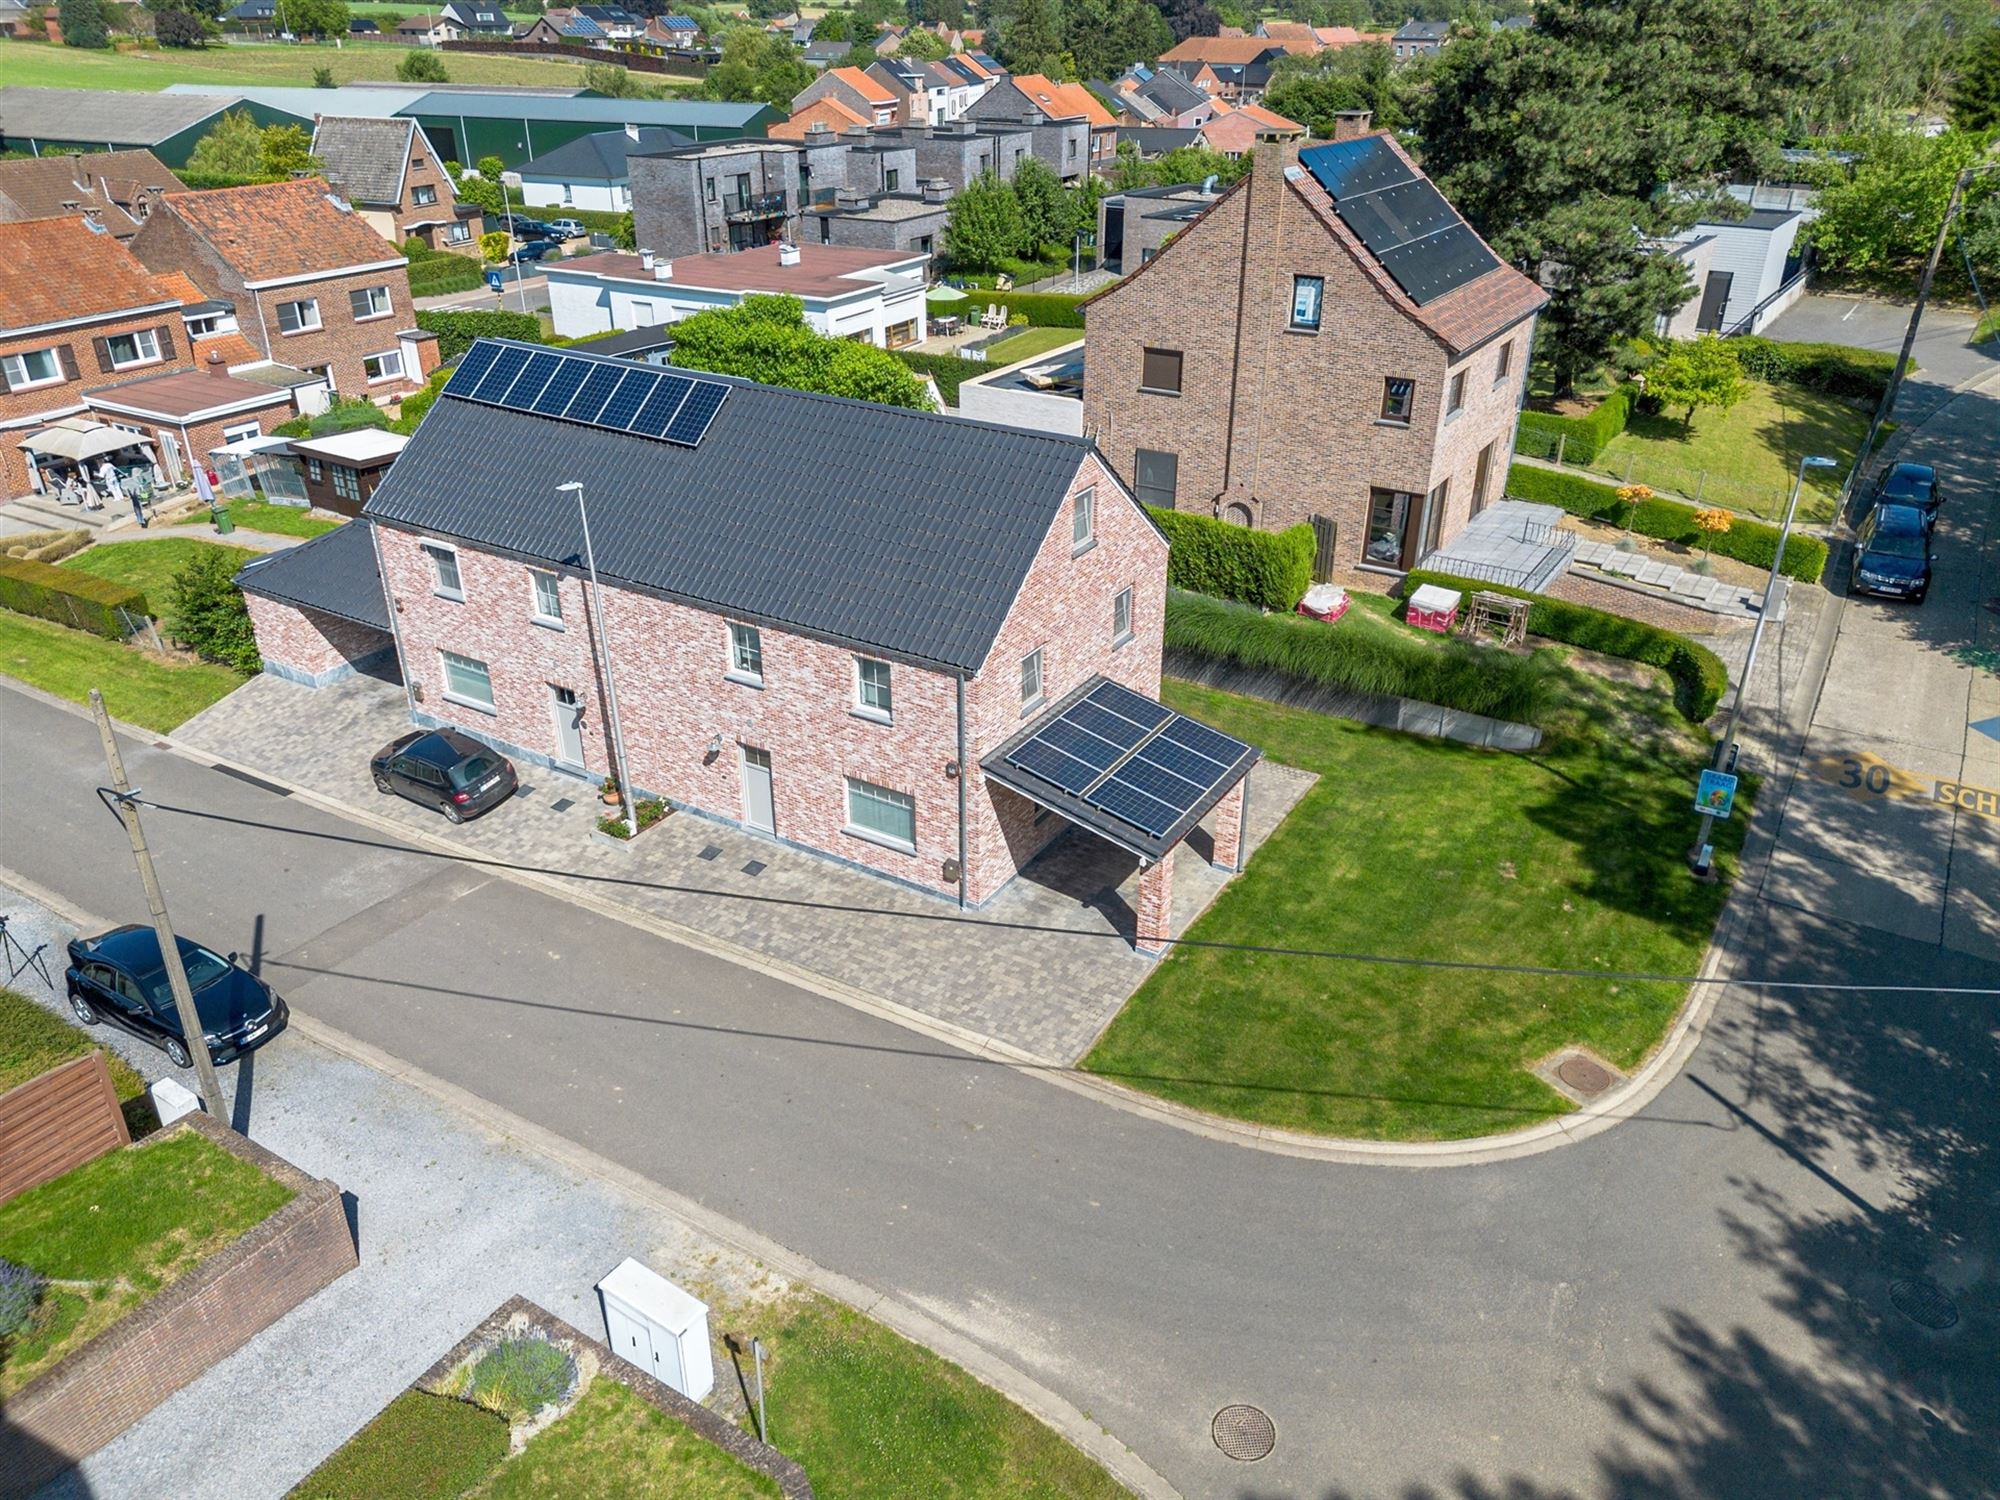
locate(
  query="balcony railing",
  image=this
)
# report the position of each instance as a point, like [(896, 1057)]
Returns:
[(753, 205)]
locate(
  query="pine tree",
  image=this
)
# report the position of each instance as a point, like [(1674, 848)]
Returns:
[(83, 23), (1032, 39), (1975, 96)]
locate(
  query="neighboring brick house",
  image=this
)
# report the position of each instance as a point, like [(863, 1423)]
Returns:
[(387, 170), (855, 88), (1420, 39), (313, 286), (115, 189), (695, 200), (824, 114), (76, 312), (1328, 342), (1234, 130), (1078, 135), (833, 622)]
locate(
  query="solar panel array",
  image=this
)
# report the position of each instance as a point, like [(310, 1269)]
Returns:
[(639, 399), (1403, 220), (1127, 756)]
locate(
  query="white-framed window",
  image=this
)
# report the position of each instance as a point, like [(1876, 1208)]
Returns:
[(548, 597), (346, 483), (746, 654), (369, 302), (445, 578), (202, 324), (388, 365), (872, 697), (1083, 521), (298, 317), (1121, 616), (315, 470), (141, 347), (236, 432), (458, 232), (467, 681), (1031, 678), (881, 815), (33, 367), (423, 195)]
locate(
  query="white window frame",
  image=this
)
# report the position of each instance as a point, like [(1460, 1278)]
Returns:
[(417, 191), (315, 470), (16, 368), (442, 554), (388, 375), (884, 796), (1083, 521), (145, 349), (346, 482), (865, 690), (370, 293), (446, 659), (539, 596), (236, 432), (744, 645), (1033, 668), (310, 304), (458, 232), (1121, 606)]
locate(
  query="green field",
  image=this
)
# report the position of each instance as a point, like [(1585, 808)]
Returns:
[(150, 567), (1028, 343), (271, 63)]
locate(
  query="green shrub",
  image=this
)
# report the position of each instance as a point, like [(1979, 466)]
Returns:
[(1583, 438), (456, 331), (520, 1376), (1699, 677), (204, 181), (441, 274), (346, 414), (1207, 556), (21, 1290), (1383, 662), (411, 411), (1747, 541), (420, 1447), (210, 617), (948, 370), (1831, 369), (68, 597), (45, 546), (1042, 309)]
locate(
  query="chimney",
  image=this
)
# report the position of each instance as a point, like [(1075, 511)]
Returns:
[(936, 190), (1352, 124), (663, 270), (818, 128), (216, 364), (788, 253), (645, 260), (856, 133)]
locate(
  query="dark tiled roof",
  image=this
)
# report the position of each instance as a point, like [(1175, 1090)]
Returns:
[(600, 156), (365, 157), (334, 574), (904, 532)]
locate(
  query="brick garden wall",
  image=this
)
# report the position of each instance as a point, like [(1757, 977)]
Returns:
[(75, 1408), (1635, 605)]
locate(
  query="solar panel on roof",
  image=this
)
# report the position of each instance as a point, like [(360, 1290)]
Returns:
[(1440, 263), (1396, 215), (534, 375), (1128, 803), (1042, 759), (597, 389), (506, 369), (1128, 704), (1107, 725), (627, 399), (1403, 220), (561, 389), (618, 396), (1074, 740), (691, 423), (659, 409), (1348, 167), (1202, 740), (478, 360)]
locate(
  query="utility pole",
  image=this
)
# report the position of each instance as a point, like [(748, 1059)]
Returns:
[(170, 953)]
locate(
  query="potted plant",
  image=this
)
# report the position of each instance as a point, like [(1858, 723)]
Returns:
[(611, 796)]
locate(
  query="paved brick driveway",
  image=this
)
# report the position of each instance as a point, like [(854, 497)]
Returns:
[(1043, 968)]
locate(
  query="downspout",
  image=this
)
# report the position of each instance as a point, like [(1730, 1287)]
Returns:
[(263, 332), (961, 791)]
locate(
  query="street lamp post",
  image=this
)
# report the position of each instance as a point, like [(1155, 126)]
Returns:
[(622, 768), (506, 208), (1725, 755)]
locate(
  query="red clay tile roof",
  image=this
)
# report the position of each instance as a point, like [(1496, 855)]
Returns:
[(1059, 100), (59, 270), (180, 284), (1234, 132), (38, 187), (863, 85), (280, 229), (235, 349), (828, 111), (1331, 37), (1235, 50)]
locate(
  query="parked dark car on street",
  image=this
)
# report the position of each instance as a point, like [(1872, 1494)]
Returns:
[(1892, 554), (441, 768), (1910, 484), (118, 977), (534, 250)]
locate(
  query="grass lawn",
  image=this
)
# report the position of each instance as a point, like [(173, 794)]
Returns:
[(32, 1041), (150, 566), (611, 1445), (1569, 858), (262, 515), (1744, 458), (870, 1415), (418, 1447), (154, 692), (273, 63), (1028, 343), (116, 1230)]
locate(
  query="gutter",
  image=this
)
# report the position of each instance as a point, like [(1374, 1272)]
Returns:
[(961, 792)]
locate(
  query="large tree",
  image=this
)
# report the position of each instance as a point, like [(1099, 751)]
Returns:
[(1314, 87), (316, 17), (83, 23), (1031, 39), (1696, 373), (1048, 210), (1883, 211), (766, 339), (1975, 95), (760, 67), (985, 227)]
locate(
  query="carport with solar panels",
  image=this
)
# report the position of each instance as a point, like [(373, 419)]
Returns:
[(1135, 773)]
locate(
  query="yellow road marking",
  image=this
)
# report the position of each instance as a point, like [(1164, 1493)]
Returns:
[(1866, 777)]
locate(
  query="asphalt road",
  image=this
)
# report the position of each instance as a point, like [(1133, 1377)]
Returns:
[(1944, 360)]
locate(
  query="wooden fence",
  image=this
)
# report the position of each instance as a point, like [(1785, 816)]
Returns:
[(57, 1122)]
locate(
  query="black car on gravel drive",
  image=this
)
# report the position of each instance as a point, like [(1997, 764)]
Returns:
[(118, 977)]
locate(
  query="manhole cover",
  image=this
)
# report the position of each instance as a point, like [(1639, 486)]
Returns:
[(1244, 1433), (1922, 1300), (1583, 1075)]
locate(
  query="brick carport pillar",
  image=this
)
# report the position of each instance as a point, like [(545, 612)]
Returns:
[(1229, 815), (1156, 906)]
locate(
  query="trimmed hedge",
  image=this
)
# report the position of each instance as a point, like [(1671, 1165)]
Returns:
[(1747, 541), (79, 600), (1207, 556), (1700, 679), (1831, 369), (1583, 438), (1383, 661), (45, 546), (436, 275), (948, 370), (1041, 309), (457, 330)]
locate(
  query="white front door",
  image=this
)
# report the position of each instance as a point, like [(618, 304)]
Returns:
[(568, 712), (757, 810)]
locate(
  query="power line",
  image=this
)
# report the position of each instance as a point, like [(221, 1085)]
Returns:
[(956, 918)]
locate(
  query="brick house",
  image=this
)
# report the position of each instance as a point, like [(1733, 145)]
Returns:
[(115, 189), (868, 632), (867, 96), (717, 198), (312, 284), (1074, 135), (387, 170), (1327, 342)]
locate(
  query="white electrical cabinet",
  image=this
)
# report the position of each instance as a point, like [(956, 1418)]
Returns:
[(658, 1327)]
